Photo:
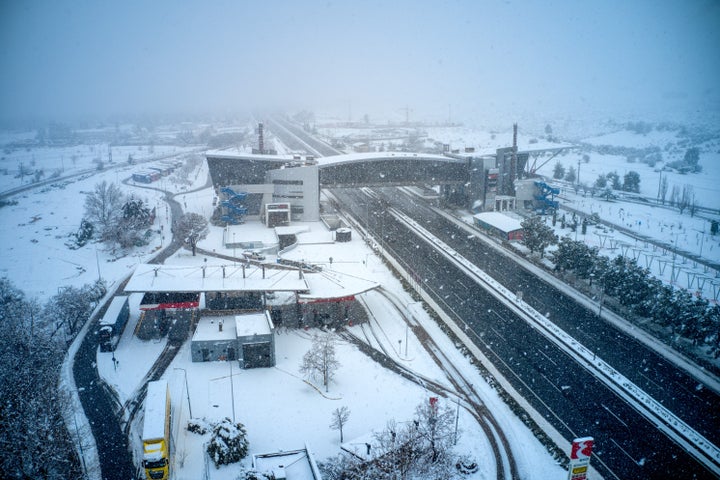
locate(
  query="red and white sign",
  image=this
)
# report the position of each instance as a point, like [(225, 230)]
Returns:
[(580, 453), (581, 448)]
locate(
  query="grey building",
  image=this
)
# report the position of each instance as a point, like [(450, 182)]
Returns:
[(248, 338)]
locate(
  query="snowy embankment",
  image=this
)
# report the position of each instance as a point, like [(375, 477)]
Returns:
[(696, 444)]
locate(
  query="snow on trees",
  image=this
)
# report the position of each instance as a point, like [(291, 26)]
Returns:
[(228, 443), (319, 361), (134, 222), (421, 448), (71, 306), (115, 217), (192, 228), (34, 439), (571, 174), (340, 417), (537, 235), (637, 290), (631, 182), (102, 208)]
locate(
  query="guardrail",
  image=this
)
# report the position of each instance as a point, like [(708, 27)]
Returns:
[(694, 443)]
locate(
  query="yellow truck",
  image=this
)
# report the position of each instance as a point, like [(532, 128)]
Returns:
[(156, 431)]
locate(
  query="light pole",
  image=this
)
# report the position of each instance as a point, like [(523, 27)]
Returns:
[(187, 389), (233, 247), (232, 390)]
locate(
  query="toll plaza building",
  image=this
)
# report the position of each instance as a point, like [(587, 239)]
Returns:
[(229, 295)]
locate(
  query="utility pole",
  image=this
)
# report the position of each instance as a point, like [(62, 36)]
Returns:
[(187, 389), (578, 173), (232, 390)]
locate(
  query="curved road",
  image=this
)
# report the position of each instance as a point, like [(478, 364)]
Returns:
[(101, 405)]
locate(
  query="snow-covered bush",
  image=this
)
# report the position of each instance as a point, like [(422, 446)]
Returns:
[(199, 426), (255, 475), (228, 444)]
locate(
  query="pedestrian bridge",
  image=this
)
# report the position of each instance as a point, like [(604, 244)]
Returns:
[(391, 168), (351, 170)]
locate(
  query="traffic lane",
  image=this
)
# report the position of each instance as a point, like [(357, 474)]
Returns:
[(574, 401), (543, 387), (672, 387), (112, 446)]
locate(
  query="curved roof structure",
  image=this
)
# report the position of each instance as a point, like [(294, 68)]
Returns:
[(375, 168)]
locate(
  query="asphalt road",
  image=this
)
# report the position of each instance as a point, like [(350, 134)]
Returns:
[(627, 445), (674, 388), (98, 402)]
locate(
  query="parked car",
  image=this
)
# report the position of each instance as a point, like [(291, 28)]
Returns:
[(253, 256)]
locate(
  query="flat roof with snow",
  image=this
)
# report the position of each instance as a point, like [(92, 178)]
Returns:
[(217, 278), (500, 221), (253, 324), (330, 284), (327, 284), (208, 329), (291, 465)]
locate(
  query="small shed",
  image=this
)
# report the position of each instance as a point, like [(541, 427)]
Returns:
[(499, 225)]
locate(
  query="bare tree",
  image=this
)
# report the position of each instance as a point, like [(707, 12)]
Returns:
[(339, 419), (686, 198), (192, 228), (103, 208), (320, 361), (674, 196), (662, 189)]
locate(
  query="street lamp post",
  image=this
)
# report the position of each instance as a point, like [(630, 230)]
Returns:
[(232, 390), (187, 390)]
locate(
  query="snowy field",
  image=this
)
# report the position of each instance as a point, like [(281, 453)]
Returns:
[(37, 228)]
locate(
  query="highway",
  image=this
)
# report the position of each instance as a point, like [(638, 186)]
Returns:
[(559, 388), (628, 445)]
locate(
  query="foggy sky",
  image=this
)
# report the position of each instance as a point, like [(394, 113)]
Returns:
[(67, 58)]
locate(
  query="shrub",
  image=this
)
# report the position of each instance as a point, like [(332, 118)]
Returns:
[(228, 444)]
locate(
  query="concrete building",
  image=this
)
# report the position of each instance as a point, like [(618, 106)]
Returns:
[(248, 338)]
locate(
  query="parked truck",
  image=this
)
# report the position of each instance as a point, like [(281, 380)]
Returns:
[(156, 431), (113, 323)]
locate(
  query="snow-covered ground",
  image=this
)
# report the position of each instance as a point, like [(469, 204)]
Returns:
[(279, 410)]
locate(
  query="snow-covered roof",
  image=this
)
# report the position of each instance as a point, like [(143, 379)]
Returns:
[(539, 147), (500, 221), (327, 284), (208, 329), (253, 324), (330, 284), (291, 465), (163, 278)]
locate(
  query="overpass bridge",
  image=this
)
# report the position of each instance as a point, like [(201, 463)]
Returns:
[(350, 170)]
